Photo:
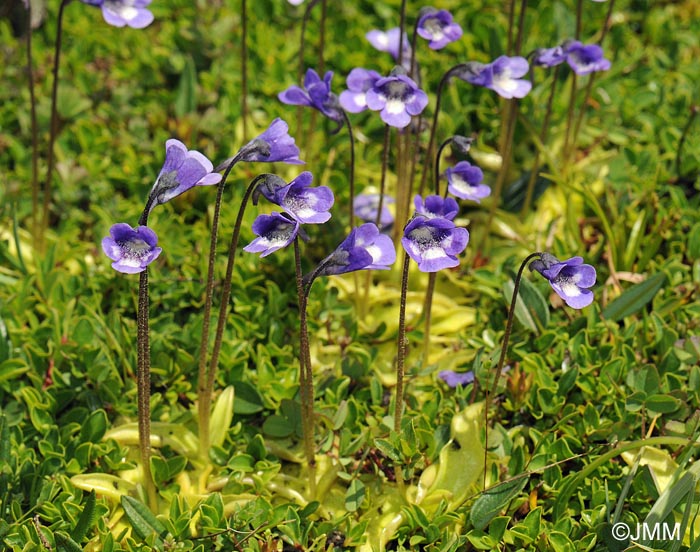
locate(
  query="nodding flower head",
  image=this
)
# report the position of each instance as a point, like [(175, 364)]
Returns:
[(434, 243), (306, 204), (316, 93), (131, 249), (455, 379), (438, 27), (548, 57), (274, 232), (397, 97), (501, 76), (585, 58), (464, 181), (359, 81), (182, 170), (132, 13), (366, 207), (389, 42), (364, 249), (436, 206), (569, 279), (275, 144)]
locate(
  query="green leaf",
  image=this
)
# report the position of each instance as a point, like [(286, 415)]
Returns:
[(663, 404), (278, 426), (492, 501), (354, 495), (65, 544), (94, 427), (694, 242), (221, 416), (87, 517), (531, 309), (143, 521), (248, 400), (634, 298), (186, 95)]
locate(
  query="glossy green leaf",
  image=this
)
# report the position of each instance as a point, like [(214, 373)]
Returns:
[(635, 298), (490, 503), (144, 523), (186, 95)]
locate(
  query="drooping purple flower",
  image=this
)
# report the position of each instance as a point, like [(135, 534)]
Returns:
[(316, 93), (132, 13), (359, 81), (131, 249), (274, 232), (296, 2), (585, 58), (454, 379), (182, 170), (389, 42), (549, 57), (569, 279), (438, 27), (273, 145), (397, 98), (367, 205), (365, 248), (501, 76), (436, 206), (434, 243), (464, 181), (305, 204)]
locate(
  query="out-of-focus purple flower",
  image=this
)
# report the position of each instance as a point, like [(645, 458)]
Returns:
[(367, 205), (305, 204), (569, 279), (132, 13), (501, 76), (131, 249), (274, 232), (454, 379), (434, 243), (436, 206), (182, 170), (397, 98), (364, 249), (438, 27), (549, 57), (585, 58), (296, 2), (464, 181), (316, 93), (359, 82), (389, 42)]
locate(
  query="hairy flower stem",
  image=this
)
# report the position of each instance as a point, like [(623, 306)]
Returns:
[(53, 125), (591, 80), (244, 68), (35, 131), (504, 351), (402, 26), (302, 48), (306, 382), (432, 277), (433, 128), (143, 379), (204, 388), (400, 360), (543, 136), (351, 216)]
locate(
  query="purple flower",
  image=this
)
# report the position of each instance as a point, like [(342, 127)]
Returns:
[(464, 181), (438, 27), (549, 57), (367, 205), (436, 206), (182, 170), (316, 93), (131, 249), (389, 42), (275, 144), (585, 58), (364, 249), (453, 379), (305, 204), (501, 76), (274, 232), (568, 278), (119, 13), (397, 97), (434, 243), (359, 82)]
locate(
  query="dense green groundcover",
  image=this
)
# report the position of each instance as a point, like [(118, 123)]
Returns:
[(596, 420)]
